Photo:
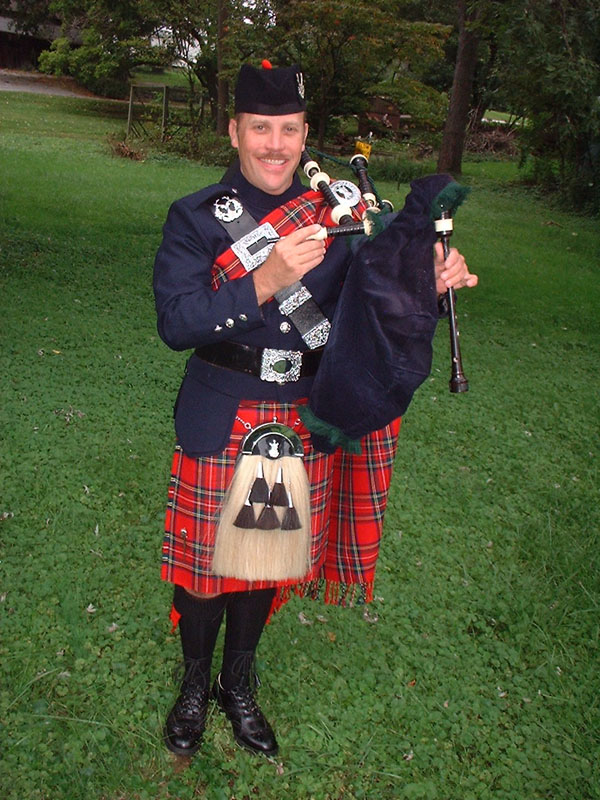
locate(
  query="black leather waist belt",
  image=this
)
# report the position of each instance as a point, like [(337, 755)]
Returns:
[(279, 366)]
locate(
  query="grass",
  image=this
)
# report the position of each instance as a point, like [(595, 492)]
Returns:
[(168, 77), (472, 676)]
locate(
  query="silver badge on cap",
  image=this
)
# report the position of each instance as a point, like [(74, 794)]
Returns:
[(228, 209), (300, 82), (346, 192)]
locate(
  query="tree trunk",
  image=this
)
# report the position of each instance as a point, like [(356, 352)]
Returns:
[(222, 85), (453, 139)]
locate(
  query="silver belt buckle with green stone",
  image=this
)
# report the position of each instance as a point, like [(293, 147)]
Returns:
[(280, 366)]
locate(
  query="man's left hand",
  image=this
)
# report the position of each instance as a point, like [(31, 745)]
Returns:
[(453, 273)]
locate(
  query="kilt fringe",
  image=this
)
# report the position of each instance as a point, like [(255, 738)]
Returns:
[(333, 593)]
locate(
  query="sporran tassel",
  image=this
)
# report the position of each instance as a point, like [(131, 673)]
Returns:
[(268, 519), (246, 517), (279, 495), (260, 489), (290, 521)]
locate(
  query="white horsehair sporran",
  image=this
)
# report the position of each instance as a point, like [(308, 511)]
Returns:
[(263, 531)]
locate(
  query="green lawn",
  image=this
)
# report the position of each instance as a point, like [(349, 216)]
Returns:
[(474, 675)]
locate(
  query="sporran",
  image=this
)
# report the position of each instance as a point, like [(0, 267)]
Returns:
[(264, 528)]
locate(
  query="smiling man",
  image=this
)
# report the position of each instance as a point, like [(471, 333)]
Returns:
[(254, 510)]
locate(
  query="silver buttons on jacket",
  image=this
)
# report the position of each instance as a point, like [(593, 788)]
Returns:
[(285, 327)]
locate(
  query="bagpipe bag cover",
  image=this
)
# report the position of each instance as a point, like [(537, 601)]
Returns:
[(381, 342)]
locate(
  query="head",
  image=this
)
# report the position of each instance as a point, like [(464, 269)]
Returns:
[(269, 128)]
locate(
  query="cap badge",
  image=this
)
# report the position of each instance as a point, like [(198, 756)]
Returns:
[(300, 82)]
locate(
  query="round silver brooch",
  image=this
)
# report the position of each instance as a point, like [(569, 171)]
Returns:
[(346, 192)]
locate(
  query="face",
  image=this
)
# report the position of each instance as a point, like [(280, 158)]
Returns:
[(269, 148)]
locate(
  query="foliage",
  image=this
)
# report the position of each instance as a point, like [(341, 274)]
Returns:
[(473, 675), (101, 66), (347, 48), (425, 106), (101, 41), (557, 93)]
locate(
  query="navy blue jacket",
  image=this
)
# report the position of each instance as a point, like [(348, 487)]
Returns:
[(384, 318), (191, 314)]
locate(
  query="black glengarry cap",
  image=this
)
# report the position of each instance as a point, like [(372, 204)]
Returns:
[(270, 91)]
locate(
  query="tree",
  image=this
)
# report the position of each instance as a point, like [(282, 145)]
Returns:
[(558, 93), (102, 39), (453, 139), (349, 51)]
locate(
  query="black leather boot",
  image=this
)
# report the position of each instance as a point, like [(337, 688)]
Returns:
[(250, 728), (187, 719)]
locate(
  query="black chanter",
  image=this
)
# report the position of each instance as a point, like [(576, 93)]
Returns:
[(458, 383)]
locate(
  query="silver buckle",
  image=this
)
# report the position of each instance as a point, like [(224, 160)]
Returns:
[(254, 248), (280, 366)]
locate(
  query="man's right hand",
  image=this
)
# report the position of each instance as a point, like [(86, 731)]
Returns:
[(289, 260)]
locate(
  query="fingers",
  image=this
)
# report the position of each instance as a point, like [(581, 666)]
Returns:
[(298, 252), (289, 260), (453, 273)]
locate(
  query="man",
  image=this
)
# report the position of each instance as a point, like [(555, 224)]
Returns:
[(255, 357)]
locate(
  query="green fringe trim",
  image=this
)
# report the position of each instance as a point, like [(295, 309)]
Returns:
[(330, 432), (374, 217), (449, 199)]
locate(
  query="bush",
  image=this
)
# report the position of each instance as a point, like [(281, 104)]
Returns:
[(492, 140), (101, 67), (204, 146), (396, 169), (575, 188)]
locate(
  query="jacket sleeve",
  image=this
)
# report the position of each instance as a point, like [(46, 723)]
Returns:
[(190, 312)]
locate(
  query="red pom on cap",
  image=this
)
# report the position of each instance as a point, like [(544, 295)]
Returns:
[(266, 64)]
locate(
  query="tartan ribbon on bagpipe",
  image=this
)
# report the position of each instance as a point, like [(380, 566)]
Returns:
[(307, 209)]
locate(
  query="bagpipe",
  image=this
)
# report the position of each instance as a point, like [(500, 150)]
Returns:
[(443, 208)]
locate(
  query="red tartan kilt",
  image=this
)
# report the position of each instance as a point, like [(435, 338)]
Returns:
[(348, 498)]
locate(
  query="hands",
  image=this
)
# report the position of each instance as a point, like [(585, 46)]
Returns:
[(452, 273), (290, 259)]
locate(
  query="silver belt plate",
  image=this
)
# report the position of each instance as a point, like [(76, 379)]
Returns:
[(280, 366)]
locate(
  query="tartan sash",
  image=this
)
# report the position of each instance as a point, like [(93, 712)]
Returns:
[(307, 209)]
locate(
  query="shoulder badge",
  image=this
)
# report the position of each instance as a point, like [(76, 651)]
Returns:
[(228, 209)]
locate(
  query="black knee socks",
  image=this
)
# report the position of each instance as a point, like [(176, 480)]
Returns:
[(247, 613), (198, 628)]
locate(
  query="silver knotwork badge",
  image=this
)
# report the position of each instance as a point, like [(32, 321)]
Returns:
[(228, 209), (300, 84), (346, 192)]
